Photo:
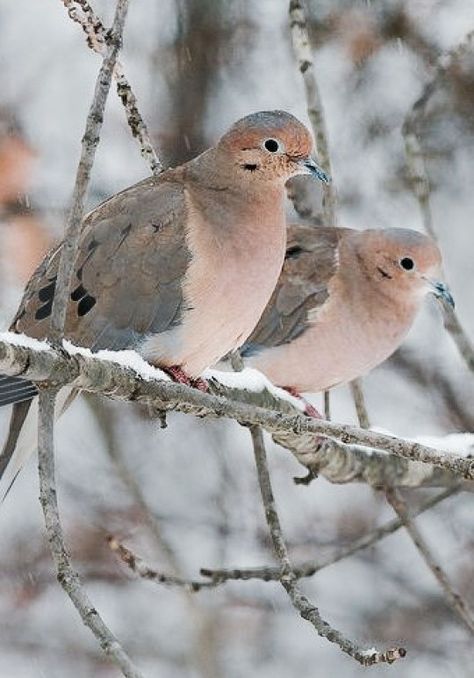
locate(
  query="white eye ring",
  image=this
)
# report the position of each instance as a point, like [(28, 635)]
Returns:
[(273, 146)]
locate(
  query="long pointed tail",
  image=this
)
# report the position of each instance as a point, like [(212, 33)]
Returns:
[(15, 390), (21, 441)]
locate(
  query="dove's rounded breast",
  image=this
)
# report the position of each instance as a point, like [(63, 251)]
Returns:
[(345, 342), (231, 276)]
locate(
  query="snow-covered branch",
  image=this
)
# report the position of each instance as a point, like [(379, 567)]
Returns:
[(246, 397)]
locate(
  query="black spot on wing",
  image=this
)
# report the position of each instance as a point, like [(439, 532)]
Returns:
[(293, 252), (86, 304), (78, 293), (44, 311), (47, 293)]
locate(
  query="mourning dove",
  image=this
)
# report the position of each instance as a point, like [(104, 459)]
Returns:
[(179, 266), (344, 302)]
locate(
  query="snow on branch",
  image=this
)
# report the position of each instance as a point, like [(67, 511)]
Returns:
[(128, 377)]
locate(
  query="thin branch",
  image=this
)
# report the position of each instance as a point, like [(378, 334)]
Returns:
[(342, 464), (288, 580), (311, 567), (421, 187), (103, 415), (67, 576), (327, 405), (144, 571), (82, 13), (303, 52), (454, 599), (359, 402), (90, 141), (112, 379)]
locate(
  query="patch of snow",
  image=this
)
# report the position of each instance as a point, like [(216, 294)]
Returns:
[(369, 652), (127, 358), (252, 380), (25, 341), (461, 444)]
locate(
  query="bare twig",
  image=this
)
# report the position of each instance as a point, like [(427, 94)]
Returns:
[(81, 12), (444, 62), (90, 141), (327, 405), (103, 415), (454, 599), (67, 576), (359, 402), (123, 383), (304, 56), (309, 568), (421, 186), (288, 580), (144, 571), (303, 51)]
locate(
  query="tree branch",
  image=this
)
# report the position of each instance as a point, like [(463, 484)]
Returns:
[(144, 571), (311, 567), (93, 373), (67, 576), (454, 599), (303, 53), (421, 187), (359, 402), (82, 13), (90, 141), (288, 580)]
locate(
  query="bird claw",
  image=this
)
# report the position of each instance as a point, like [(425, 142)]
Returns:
[(201, 384), (309, 409), (178, 375), (305, 480)]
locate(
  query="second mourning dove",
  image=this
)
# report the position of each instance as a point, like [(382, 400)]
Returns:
[(344, 302), (179, 266)]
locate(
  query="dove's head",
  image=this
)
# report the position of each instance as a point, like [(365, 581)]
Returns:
[(270, 146), (404, 263)]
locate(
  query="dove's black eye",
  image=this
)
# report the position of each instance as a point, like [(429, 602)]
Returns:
[(271, 145), (407, 263)]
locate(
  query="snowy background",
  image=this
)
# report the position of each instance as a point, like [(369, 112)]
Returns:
[(196, 66)]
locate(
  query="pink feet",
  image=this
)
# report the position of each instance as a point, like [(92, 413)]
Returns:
[(309, 409), (179, 375)]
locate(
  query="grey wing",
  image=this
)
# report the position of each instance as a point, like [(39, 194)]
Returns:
[(128, 276), (311, 260)]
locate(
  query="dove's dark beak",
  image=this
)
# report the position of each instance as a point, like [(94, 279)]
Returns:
[(310, 167), (441, 291)]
